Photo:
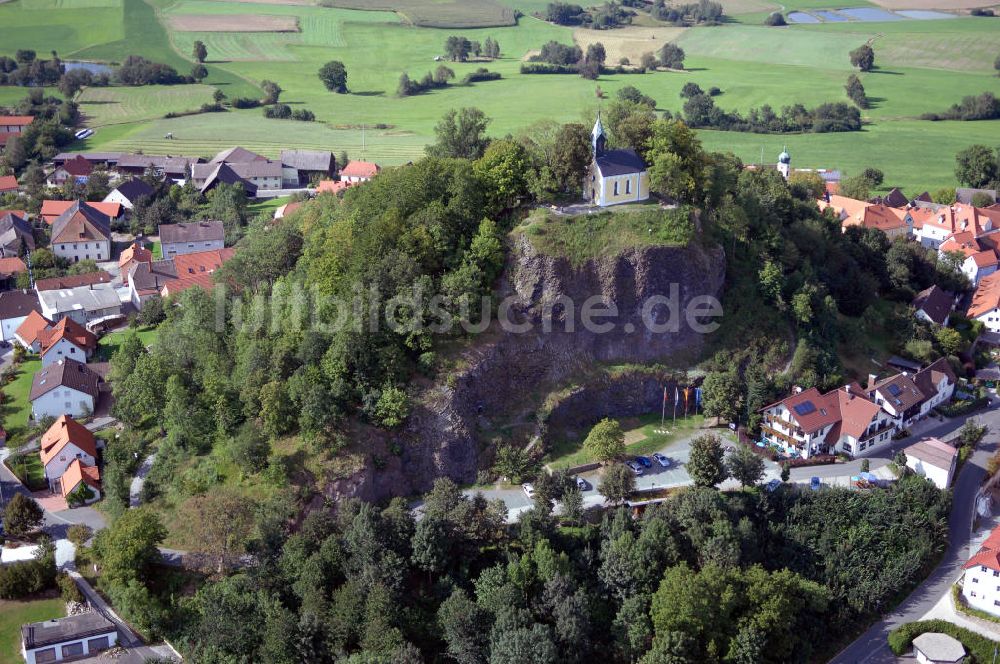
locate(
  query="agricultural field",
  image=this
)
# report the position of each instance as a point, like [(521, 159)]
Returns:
[(113, 105), (923, 66), (437, 13)]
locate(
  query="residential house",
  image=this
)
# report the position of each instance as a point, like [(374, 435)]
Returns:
[(224, 174), (614, 176), (981, 578), (78, 475), (147, 280), (175, 169), (84, 304), (933, 305), (12, 125), (51, 210), (937, 382), (177, 239), (134, 254), (173, 275), (67, 638), (9, 269), (67, 387), (67, 338), (985, 306), (82, 233), (28, 332), (16, 236), (899, 396), (261, 174), (8, 184), (333, 186), (934, 459), (73, 281), (15, 305), (895, 198), (128, 193), (300, 167), (359, 171), (63, 443), (978, 262), (76, 170), (891, 221)]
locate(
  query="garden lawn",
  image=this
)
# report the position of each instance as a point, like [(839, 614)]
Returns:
[(109, 343), (641, 438), (28, 468), (17, 408), (13, 614)]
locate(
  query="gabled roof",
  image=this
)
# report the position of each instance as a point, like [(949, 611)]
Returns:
[(149, 277), (134, 189), (14, 231), (984, 259), (135, 252), (987, 296), (287, 209), (900, 391), (237, 155), (16, 120), (52, 209), (962, 194), (66, 430), (360, 169), (811, 410), (18, 303), (78, 166), (78, 472), (31, 326), (935, 302), (988, 554), (932, 451), (929, 378), (73, 281), (619, 162), (71, 331), (197, 231), (308, 160), (8, 183), (61, 630), (333, 186), (223, 174), (11, 266), (65, 373), (169, 165), (856, 411), (81, 221), (896, 198)]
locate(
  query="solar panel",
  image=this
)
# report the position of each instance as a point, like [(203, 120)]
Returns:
[(894, 390), (804, 408)]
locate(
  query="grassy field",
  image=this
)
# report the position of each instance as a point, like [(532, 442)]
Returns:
[(28, 468), (13, 614), (104, 106), (923, 66), (643, 436), (109, 343), (17, 408)]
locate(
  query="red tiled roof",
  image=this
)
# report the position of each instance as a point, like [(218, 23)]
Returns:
[(52, 209), (136, 252), (360, 169), (78, 166), (64, 431), (16, 120), (984, 258), (987, 296), (8, 183), (31, 326), (333, 186), (12, 265), (73, 281), (70, 330), (5, 135), (988, 554), (78, 472)]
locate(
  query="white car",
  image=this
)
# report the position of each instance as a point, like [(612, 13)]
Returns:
[(662, 460), (634, 465), (582, 484), (529, 489)]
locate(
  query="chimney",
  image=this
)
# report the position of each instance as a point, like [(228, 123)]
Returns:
[(871, 380)]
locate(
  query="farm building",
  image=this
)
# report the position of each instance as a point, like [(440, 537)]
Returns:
[(300, 167), (177, 239)]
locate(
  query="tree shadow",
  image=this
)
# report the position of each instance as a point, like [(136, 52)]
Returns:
[(877, 70), (369, 93), (875, 102)]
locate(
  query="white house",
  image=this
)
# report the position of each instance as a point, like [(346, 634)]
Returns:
[(64, 443), (985, 305), (128, 193), (933, 459), (981, 579), (359, 171), (81, 233), (178, 239), (15, 306), (79, 474), (67, 387), (937, 383), (66, 339), (67, 638), (83, 304), (933, 305), (899, 396)]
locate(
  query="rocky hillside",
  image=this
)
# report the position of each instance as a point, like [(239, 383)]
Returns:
[(506, 372)]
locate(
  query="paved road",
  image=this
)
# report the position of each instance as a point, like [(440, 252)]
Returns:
[(872, 647)]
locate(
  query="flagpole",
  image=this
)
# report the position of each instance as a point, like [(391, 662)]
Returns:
[(663, 410), (676, 397)]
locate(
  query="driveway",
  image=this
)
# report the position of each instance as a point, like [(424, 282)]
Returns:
[(872, 647)]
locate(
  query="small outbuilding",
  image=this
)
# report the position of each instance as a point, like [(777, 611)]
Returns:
[(67, 638), (934, 459), (938, 648)]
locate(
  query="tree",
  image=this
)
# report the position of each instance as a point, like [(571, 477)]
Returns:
[(570, 157), (976, 166), (857, 187), (648, 62), (744, 466), (22, 515), (863, 57), (393, 407), (271, 92), (721, 395), (127, 550), (334, 76), (874, 176), (617, 483), (220, 524), (200, 52), (596, 54), (504, 167), (199, 72), (464, 626), (152, 312), (786, 471), (461, 134), (691, 89), (706, 464), (950, 340), (672, 56), (856, 91), (78, 534), (457, 48), (606, 441), (775, 19)]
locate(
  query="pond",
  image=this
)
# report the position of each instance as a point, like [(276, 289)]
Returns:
[(95, 68), (869, 14), (802, 17), (830, 16), (924, 14)]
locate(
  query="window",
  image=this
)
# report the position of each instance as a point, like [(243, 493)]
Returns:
[(982, 568), (975, 579), (972, 594), (72, 649), (616, 187), (628, 186), (68, 405), (47, 655), (93, 645), (996, 573)]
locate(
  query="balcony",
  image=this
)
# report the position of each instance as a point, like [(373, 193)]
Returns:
[(887, 426), (777, 435)]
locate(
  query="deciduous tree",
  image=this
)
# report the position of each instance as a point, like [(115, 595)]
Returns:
[(334, 76), (606, 441), (22, 515), (706, 464)]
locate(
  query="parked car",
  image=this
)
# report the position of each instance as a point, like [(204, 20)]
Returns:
[(529, 489), (634, 465), (582, 484), (814, 484), (662, 460), (644, 461), (772, 486)]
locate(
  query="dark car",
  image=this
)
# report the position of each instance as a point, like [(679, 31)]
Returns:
[(644, 461)]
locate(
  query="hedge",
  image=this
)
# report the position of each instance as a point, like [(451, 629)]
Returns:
[(963, 407), (978, 647)]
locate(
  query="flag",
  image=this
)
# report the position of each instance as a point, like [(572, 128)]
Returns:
[(687, 393), (697, 396), (664, 395), (677, 394)]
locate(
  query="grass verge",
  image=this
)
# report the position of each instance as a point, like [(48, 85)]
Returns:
[(642, 437), (14, 613)]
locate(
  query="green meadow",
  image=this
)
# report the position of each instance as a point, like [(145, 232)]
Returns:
[(923, 66)]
